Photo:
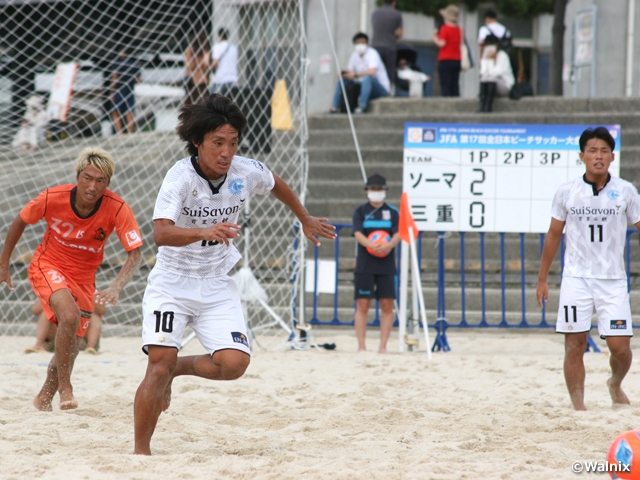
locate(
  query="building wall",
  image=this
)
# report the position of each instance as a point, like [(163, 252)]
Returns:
[(345, 19)]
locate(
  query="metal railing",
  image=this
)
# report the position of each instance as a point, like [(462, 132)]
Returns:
[(462, 278)]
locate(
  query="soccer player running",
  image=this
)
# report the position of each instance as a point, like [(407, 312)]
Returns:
[(596, 209), (195, 223), (80, 219)]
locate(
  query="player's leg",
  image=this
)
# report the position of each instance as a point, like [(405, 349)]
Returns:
[(614, 324), (167, 307), (95, 327), (68, 316), (228, 364), (151, 397), (363, 292), (42, 331), (620, 361), (386, 322), (574, 320), (386, 294), (575, 345)]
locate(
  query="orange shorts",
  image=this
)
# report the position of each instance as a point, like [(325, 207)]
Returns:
[(45, 280)]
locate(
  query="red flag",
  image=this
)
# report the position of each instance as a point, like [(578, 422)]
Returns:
[(406, 220)]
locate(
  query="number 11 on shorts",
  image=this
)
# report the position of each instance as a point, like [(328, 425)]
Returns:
[(566, 313)]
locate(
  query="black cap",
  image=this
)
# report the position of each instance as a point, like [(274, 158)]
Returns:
[(376, 180)]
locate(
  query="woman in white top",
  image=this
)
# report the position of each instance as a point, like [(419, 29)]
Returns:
[(496, 75)]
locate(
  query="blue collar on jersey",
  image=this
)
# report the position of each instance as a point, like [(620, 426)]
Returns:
[(594, 186), (215, 190)]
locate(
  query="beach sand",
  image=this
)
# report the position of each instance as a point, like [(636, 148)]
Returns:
[(494, 407)]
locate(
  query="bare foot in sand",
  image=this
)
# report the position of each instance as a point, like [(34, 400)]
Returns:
[(617, 395), (67, 401), (43, 402)]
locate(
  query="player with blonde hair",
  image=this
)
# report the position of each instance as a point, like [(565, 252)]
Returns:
[(80, 217)]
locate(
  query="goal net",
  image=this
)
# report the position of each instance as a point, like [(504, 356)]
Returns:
[(57, 62)]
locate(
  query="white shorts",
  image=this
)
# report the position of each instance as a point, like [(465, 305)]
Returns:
[(210, 306), (578, 298)]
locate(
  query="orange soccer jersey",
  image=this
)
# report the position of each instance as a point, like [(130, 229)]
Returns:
[(75, 245)]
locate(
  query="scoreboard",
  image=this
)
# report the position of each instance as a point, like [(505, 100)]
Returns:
[(490, 177)]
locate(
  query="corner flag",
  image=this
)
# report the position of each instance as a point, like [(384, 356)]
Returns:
[(406, 220)]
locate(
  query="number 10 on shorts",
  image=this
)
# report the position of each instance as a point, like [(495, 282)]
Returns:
[(164, 321)]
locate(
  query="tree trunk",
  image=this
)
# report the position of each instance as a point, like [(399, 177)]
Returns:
[(557, 47)]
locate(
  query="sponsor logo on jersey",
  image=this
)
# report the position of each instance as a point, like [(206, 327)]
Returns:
[(594, 211), (79, 247), (209, 212), (133, 237), (613, 194), (235, 186), (386, 215), (239, 337), (257, 164), (618, 324), (100, 234)]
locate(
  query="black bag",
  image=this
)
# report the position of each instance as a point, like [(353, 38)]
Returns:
[(519, 90), (353, 92)]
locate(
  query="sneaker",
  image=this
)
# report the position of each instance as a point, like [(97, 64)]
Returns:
[(358, 111), (334, 110)]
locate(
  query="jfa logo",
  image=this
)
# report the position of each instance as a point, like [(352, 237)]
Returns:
[(236, 186), (613, 194), (429, 135)]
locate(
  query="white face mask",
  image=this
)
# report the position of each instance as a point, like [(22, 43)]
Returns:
[(360, 48), (376, 196)]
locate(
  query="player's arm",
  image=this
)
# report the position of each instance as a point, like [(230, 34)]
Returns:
[(109, 296), (13, 235), (166, 233), (551, 244), (310, 225)]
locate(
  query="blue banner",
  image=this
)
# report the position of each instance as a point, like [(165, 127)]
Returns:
[(502, 136)]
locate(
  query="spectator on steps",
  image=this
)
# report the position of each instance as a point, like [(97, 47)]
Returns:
[(365, 67), (448, 39), (387, 29), (496, 76)]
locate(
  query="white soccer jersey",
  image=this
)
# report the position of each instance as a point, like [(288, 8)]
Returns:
[(596, 226), (188, 199)]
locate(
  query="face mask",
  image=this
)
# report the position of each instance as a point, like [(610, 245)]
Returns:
[(376, 196), (360, 48)]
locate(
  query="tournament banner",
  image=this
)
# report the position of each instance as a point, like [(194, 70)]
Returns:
[(490, 177)]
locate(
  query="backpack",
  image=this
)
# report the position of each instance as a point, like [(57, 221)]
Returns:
[(505, 43)]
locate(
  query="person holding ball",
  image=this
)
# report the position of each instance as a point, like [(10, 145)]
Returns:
[(375, 272)]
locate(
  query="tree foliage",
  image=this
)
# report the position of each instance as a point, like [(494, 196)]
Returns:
[(508, 8)]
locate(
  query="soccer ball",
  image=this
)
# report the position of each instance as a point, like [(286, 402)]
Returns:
[(625, 451), (378, 237)]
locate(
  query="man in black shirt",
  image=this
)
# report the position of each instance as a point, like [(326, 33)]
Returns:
[(375, 272)]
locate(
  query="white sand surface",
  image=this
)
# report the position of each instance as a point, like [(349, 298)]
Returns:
[(494, 407)]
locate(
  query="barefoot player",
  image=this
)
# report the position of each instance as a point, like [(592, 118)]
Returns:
[(62, 272), (595, 209), (195, 217)]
